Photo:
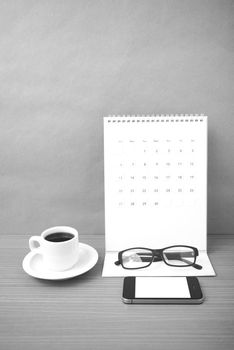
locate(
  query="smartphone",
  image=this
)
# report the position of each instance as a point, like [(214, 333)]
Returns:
[(162, 290)]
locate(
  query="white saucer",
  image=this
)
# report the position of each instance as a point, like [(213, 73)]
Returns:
[(33, 264)]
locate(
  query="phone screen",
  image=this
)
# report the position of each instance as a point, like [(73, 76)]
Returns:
[(161, 287)]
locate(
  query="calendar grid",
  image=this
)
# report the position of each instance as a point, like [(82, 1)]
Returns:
[(155, 169)]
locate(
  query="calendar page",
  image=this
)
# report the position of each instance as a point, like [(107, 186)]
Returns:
[(155, 181)]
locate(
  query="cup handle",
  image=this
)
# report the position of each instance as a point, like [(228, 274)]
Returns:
[(35, 242)]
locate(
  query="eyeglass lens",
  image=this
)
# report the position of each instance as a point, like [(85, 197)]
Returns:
[(181, 256), (135, 258)]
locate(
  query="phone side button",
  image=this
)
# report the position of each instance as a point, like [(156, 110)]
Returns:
[(127, 301)]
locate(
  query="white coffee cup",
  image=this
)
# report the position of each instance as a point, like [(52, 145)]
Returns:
[(59, 247)]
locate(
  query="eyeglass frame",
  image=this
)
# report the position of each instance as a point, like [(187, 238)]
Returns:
[(158, 253)]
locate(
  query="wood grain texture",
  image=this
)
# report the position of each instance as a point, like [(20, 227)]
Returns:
[(87, 313)]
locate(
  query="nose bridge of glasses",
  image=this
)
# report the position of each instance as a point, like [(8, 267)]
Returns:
[(157, 254)]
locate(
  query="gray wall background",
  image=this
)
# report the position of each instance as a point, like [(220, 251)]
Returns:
[(65, 64)]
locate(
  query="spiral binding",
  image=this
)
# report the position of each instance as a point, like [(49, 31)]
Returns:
[(163, 118)]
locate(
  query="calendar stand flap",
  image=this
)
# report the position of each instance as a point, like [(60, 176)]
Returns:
[(155, 181)]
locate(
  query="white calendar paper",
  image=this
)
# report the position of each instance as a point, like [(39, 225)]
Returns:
[(155, 189)]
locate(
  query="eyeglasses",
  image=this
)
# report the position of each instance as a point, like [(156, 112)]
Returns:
[(176, 255)]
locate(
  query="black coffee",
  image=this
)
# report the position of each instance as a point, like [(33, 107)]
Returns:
[(59, 237)]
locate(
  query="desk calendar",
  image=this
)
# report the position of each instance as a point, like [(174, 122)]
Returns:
[(155, 188)]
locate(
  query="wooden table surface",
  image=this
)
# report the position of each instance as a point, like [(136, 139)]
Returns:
[(87, 312)]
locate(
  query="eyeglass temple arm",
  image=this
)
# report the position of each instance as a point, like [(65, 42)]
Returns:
[(174, 255), (196, 266), (145, 259)]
